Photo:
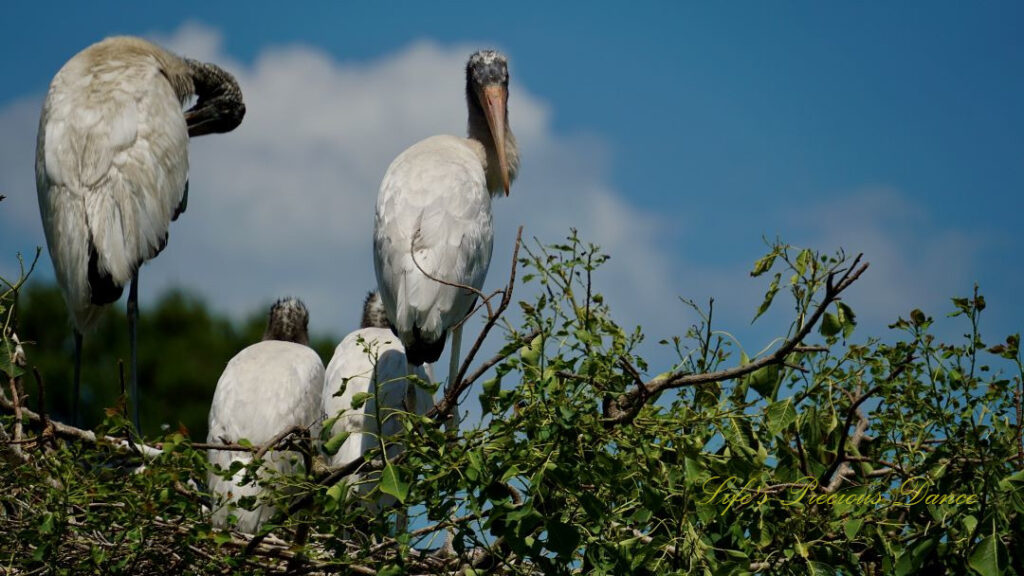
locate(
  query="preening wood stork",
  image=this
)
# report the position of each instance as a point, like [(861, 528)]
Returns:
[(371, 355), (265, 389), (435, 205), (112, 168)]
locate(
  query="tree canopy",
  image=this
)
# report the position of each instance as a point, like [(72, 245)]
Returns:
[(885, 455)]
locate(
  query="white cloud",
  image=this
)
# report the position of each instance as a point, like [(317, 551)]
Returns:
[(284, 204), (914, 262)]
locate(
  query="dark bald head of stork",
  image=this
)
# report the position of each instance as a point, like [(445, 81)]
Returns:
[(487, 97), (219, 107), (374, 315), (288, 321)]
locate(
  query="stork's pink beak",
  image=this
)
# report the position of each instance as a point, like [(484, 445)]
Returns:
[(493, 100)]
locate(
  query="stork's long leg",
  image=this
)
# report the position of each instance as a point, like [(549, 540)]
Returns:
[(133, 371), (453, 372), (78, 378), (453, 424)]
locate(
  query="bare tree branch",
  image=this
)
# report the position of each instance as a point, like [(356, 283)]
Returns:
[(625, 408), (835, 479), (450, 399)]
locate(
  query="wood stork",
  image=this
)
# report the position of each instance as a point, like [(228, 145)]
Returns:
[(112, 169), (267, 388), (370, 356), (434, 214)]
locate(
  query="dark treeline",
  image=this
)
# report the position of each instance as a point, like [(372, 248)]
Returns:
[(183, 347)]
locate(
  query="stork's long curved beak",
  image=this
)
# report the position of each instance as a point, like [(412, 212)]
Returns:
[(494, 100)]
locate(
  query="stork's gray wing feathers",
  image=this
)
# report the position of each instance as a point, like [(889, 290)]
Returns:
[(363, 356), (433, 200), (265, 389), (114, 160)]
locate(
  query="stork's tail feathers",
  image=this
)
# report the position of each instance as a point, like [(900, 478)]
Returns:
[(420, 351), (103, 289)]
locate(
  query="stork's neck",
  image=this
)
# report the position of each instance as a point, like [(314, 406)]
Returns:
[(219, 107), (481, 132)]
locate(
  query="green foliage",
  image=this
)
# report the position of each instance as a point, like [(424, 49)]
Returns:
[(894, 455)]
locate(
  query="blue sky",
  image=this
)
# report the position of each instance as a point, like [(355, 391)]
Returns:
[(677, 135)]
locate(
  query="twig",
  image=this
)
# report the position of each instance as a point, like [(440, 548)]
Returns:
[(479, 293), (451, 396), (626, 411), (498, 358), (862, 424), (89, 436), (277, 440), (800, 450), (44, 420), (17, 359), (492, 317)]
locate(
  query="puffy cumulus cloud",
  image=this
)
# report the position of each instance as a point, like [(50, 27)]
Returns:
[(284, 204), (915, 263), (20, 227)]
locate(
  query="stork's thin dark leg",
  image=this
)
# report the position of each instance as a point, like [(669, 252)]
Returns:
[(133, 318), (78, 378), (453, 424), (453, 372)]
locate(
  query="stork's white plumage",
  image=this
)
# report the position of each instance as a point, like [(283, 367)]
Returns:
[(434, 205), (112, 166), (372, 354), (265, 389)]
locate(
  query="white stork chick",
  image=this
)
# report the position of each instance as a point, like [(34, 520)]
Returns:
[(372, 354), (112, 168), (265, 389), (435, 204)]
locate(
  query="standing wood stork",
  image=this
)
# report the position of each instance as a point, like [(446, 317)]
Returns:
[(434, 215), (266, 389), (367, 357), (112, 169)]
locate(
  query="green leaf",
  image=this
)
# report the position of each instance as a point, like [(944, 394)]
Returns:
[(46, 527), (531, 354), (359, 398), (765, 380), (6, 365), (847, 318), (491, 386), (773, 289), (917, 317), (852, 526), (562, 538), (802, 259), (1013, 483), (780, 415), (830, 325), (336, 492), (332, 446), (989, 556), (391, 570), (764, 264), (391, 482), (801, 549)]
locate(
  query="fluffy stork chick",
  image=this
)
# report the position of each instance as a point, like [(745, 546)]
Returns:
[(265, 389), (434, 206), (372, 354), (112, 167)]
